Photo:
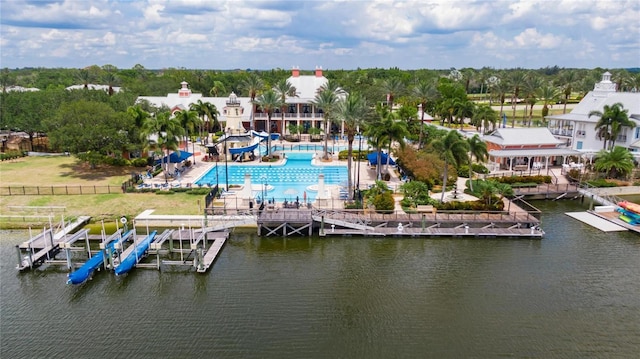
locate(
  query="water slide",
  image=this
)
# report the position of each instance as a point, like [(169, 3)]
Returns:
[(274, 136), (127, 263), (252, 146), (83, 273)]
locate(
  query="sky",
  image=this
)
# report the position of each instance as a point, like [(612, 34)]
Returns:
[(342, 34)]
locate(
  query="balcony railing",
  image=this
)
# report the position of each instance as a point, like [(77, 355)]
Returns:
[(262, 115)]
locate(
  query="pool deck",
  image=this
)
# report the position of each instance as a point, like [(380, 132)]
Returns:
[(199, 168)]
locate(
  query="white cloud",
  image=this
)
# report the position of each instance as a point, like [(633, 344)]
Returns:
[(341, 34)]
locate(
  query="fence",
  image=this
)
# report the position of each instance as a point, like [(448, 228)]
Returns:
[(57, 190)]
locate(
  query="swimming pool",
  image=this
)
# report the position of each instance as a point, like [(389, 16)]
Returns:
[(284, 182)]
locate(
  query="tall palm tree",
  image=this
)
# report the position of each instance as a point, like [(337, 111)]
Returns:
[(453, 149), (326, 101), (392, 87), (516, 80), (377, 133), (189, 120), (395, 131), (548, 94), (85, 77), (463, 109), (217, 88), (268, 102), (252, 84), (167, 132), (568, 78), (353, 110), (611, 121), (483, 116), (531, 85), (477, 149), (426, 93), (111, 79), (138, 115), (284, 88), (208, 114)]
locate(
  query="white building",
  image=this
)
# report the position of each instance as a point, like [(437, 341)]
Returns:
[(578, 129), (105, 88), (237, 112)]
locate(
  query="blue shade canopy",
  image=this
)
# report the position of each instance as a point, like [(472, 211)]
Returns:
[(373, 159), (175, 157)]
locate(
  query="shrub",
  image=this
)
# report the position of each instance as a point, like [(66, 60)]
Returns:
[(384, 202), (171, 191), (139, 162), (602, 183)]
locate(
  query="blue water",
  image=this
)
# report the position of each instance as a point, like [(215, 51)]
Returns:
[(283, 182)]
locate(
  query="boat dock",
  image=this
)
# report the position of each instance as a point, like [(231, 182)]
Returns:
[(211, 254), (46, 245), (596, 221)]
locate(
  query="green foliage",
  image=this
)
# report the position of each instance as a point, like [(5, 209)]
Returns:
[(11, 154), (602, 183), (616, 163), (167, 192), (495, 205), (139, 162), (416, 193), (383, 201)]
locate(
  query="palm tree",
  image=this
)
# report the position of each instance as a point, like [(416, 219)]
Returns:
[(189, 120), (616, 162), (217, 88), (167, 131), (392, 87), (568, 79), (483, 115), (138, 115), (252, 84), (326, 101), (516, 80), (611, 121), (111, 79), (425, 92), (477, 149), (353, 109), (463, 109), (548, 94), (268, 102), (85, 77), (284, 89), (377, 135), (394, 131), (453, 149), (531, 85), (208, 113)]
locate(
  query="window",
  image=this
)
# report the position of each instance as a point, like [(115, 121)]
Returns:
[(579, 145)]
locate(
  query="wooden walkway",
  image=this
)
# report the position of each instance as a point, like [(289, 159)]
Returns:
[(454, 223), (211, 254)]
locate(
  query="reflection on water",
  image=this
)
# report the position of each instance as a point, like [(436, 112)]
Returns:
[(573, 294)]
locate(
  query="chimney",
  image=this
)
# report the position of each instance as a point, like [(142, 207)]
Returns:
[(295, 71), (318, 71)]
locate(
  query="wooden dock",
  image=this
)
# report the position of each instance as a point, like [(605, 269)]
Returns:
[(211, 254), (515, 224)]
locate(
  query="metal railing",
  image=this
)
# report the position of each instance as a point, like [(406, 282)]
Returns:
[(58, 190)]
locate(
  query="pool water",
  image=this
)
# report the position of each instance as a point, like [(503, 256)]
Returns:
[(282, 182)]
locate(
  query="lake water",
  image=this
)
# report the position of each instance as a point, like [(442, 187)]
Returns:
[(574, 294)]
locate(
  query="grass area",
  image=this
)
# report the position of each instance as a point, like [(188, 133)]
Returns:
[(48, 171)]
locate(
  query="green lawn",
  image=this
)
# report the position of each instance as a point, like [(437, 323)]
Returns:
[(58, 171)]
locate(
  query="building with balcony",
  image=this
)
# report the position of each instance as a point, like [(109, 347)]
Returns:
[(238, 113), (579, 129)]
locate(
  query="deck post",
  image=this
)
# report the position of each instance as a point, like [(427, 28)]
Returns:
[(19, 255), (67, 252), (322, 225)]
